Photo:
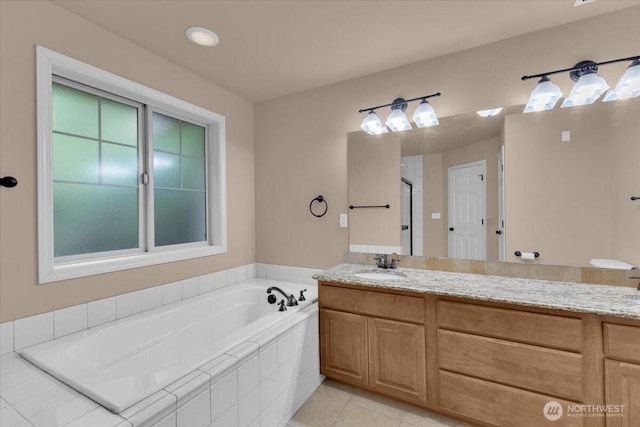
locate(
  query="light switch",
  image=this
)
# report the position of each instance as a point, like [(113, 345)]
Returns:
[(435, 215), (566, 135), (344, 220)]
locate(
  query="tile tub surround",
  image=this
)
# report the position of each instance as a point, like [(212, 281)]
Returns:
[(597, 276), (576, 297), (262, 381), (20, 333)]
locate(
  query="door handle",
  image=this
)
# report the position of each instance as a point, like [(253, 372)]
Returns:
[(498, 231), (450, 228)]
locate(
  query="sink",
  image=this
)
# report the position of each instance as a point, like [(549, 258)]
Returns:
[(379, 276)]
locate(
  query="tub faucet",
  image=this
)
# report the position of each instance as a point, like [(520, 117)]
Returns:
[(291, 300)]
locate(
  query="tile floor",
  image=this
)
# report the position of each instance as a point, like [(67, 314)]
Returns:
[(338, 405)]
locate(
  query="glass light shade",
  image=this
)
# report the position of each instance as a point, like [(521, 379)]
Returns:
[(628, 86), (587, 89), (425, 115), (372, 125), (543, 97), (397, 121), (489, 113)]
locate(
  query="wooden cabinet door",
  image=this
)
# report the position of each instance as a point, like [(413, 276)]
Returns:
[(623, 388), (397, 364), (343, 343)]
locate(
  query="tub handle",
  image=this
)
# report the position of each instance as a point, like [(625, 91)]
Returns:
[(302, 297), (282, 306)]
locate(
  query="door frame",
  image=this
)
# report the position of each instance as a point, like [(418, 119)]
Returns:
[(483, 235), (501, 226), (410, 184)]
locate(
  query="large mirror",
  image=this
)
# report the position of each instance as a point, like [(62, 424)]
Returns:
[(557, 183)]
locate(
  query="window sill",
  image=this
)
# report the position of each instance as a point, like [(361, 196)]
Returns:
[(76, 269)]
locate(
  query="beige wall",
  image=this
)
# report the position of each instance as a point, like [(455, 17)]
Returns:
[(301, 139), (374, 179), (22, 26), (434, 201), (570, 201)]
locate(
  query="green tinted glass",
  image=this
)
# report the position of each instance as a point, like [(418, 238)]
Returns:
[(166, 133), (192, 140), (179, 217), (166, 170), (119, 164), (119, 122), (192, 173), (75, 159), (74, 111), (94, 218)]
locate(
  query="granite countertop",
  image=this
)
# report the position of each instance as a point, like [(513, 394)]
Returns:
[(577, 297)]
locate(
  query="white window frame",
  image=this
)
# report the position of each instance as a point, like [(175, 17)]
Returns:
[(50, 63)]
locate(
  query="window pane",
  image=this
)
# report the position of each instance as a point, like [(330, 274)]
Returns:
[(192, 173), (166, 170), (192, 140), (119, 122), (166, 133), (94, 218), (74, 111), (75, 159), (179, 217), (119, 164)]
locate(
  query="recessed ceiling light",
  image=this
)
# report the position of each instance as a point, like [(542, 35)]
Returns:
[(202, 36), (489, 113)]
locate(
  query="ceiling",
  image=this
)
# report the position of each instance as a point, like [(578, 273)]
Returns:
[(273, 48)]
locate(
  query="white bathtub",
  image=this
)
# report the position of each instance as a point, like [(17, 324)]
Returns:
[(121, 363)]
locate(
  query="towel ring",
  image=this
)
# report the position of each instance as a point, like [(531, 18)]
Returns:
[(319, 199)]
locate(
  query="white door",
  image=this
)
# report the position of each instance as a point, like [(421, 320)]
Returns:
[(467, 232), (500, 229)]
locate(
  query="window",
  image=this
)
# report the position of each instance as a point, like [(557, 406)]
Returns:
[(128, 176)]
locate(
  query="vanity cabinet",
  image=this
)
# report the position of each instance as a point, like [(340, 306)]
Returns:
[(374, 340), (489, 364), (622, 373)]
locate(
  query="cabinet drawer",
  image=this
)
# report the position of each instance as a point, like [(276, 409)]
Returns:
[(622, 342), (540, 329), (497, 404), (378, 304), (553, 372)]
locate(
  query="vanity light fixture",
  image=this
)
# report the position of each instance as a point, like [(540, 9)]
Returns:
[(397, 121), (202, 36), (489, 113), (588, 88)]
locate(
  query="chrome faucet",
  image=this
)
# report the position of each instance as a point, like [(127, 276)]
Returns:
[(291, 300), (383, 261)]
